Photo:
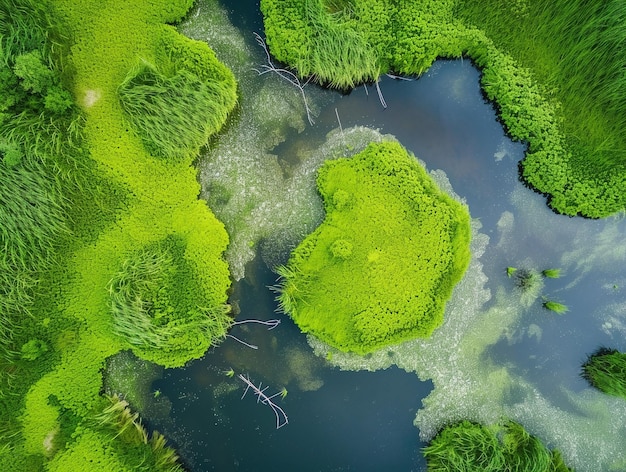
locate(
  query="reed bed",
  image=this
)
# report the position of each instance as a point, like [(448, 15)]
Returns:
[(158, 306), (508, 447)]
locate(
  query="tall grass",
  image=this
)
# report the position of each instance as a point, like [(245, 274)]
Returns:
[(575, 49), (174, 115), (468, 446), (605, 370), (340, 57), (117, 420), (155, 305), (31, 219)]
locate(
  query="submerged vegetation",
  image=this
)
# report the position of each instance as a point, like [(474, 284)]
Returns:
[(467, 446), (381, 266), (105, 246), (554, 72), (605, 370)]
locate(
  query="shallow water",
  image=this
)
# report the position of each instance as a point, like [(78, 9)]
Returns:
[(499, 352)]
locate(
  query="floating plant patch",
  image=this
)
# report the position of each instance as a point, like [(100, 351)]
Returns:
[(381, 266)]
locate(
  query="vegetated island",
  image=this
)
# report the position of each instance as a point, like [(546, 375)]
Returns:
[(381, 266), (554, 70), (106, 245), (495, 448)]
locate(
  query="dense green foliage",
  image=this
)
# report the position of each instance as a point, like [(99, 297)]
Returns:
[(86, 209), (605, 369), (473, 447), (554, 69), (381, 266)]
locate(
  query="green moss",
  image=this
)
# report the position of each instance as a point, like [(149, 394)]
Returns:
[(605, 370), (381, 266), (467, 446), (554, 71)]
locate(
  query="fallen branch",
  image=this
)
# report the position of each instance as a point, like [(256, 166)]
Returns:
[(284, 74), (281, 416), (271, 323)]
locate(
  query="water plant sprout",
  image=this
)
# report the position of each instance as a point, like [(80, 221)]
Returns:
[(556, 307)]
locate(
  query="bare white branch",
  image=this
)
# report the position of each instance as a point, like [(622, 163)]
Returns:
[(281, 416), (284, 74)]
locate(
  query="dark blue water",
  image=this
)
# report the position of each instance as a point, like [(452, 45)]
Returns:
[(351, 421)]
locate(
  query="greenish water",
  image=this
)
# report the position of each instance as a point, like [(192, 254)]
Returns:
[(499, 353)]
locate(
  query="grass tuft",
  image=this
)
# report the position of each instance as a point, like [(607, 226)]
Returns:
[(556, 307), (174, 115), (605, 370), (467, 446)]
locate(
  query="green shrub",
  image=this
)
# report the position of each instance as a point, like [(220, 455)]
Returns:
[(467, 446), (378, 270), (33, 349), (605, 370)]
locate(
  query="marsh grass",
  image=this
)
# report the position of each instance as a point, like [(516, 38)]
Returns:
[(339, 56), (156, 305), (117, 420), (605, 370), (467, 446), (575, 50), (174, 115)]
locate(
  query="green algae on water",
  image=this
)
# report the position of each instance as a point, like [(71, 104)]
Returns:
[(386, 258)]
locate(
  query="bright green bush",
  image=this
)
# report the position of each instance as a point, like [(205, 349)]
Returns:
[(381, 266), (467, 446), (605, 370)]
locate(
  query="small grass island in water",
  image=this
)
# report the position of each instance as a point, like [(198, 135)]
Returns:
[(382, 265)]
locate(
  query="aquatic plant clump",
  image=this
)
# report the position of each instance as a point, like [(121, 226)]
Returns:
[(175, 114), (381, 266), (605, 370), (467, 446)]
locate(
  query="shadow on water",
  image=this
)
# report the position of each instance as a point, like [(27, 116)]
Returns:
[(338, 421)]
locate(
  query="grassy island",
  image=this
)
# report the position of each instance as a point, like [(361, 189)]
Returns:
[(554, 71), (381, 266), (104, 107), (467, 446)]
